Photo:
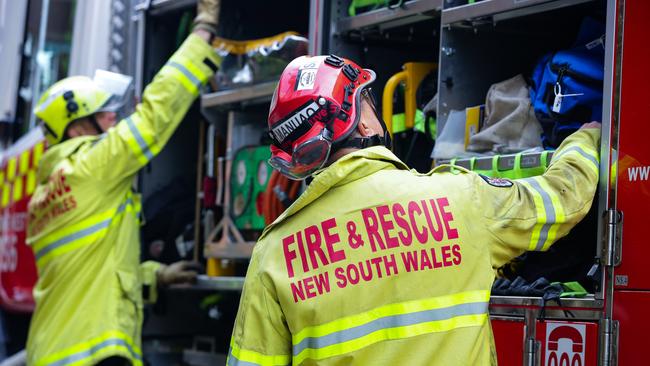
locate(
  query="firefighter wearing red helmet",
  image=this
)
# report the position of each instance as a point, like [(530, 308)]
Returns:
[(376, 264), (315, 109)]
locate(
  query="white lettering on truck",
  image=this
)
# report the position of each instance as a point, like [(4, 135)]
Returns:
[(638, 173)]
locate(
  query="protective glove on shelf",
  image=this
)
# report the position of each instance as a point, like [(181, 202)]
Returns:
[(178, 273), (207, 15)]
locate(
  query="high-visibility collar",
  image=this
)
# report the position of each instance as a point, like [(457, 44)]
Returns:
[(350, 167), (58, 152)]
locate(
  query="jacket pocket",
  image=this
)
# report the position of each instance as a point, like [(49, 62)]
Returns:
[(129, 309), (130, 286)]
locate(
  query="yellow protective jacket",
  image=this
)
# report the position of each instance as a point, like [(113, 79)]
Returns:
[(378, 265), (84, 224)]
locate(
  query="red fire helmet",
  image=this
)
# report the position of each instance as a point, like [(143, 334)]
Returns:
[(315, 108)]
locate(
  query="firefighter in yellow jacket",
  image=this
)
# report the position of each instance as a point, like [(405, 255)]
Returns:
[(84, 216), (375, 264)]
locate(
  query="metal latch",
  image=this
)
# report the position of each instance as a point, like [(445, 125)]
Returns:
[(532, 357), (612, 250), (608, 342), (143, 6), (531, 345)]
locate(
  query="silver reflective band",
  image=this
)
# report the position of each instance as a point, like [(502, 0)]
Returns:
[(185, 72), (550, 213), (393, 321), (138, 137), (94, 349), (81, 233), (580, 151), (233, 361)]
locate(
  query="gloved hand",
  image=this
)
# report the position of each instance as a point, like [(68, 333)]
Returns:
[(207, 15), (176, 273), (593, 124)]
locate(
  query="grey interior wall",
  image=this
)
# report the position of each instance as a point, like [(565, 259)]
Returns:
[(12, 25), (90, 37)]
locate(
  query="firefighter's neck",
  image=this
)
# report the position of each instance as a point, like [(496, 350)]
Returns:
[(85, 127), (368, 126), (82, 127)]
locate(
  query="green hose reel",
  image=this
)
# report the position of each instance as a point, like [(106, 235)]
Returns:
[(249, 178)]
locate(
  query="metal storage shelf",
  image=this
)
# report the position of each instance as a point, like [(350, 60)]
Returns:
[(157, 7), (503, 9), (227, 250), (260, 92), (236, 283), (410, 12), (587, 302), (227, 283), (196, 357)]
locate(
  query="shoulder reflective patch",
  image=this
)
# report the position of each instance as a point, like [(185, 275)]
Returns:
[(496, 182)]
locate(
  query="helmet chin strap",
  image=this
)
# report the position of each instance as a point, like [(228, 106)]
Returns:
[(93, 121), (375, 140), (387, 140), (364, 142)]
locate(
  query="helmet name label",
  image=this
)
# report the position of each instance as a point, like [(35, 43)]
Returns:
[(306, 79), (285, 128)]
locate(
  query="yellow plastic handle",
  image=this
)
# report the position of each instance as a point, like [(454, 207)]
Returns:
[(416, 72), (387, 99), (412, 75)]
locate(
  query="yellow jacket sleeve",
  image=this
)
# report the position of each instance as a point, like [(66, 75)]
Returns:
[(261, 335), (532, 213), (134, 141)]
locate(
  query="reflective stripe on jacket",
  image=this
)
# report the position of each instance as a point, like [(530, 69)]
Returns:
[(84, 225), (378, 265)]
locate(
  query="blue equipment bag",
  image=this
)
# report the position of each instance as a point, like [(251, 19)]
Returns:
[(567, 88)]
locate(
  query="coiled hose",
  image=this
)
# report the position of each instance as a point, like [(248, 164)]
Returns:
[(280, 193)]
